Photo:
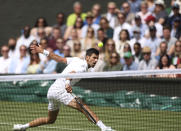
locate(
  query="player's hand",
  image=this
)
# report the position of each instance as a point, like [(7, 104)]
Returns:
[(68, 88), (36, 49)]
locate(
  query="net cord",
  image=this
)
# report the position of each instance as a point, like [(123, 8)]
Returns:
[(89, 75)]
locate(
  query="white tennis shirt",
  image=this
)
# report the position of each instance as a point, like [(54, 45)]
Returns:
[(73, 64)]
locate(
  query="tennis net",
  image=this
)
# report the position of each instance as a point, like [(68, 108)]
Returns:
[(124, 100)]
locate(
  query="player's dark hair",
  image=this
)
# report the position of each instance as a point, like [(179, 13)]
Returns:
[(91, 51)]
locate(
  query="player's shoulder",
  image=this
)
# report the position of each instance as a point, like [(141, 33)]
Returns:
[(74, 59)]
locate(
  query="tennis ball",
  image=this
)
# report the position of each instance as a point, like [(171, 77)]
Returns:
[(100, 44)]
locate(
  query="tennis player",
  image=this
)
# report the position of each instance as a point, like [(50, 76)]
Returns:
[(60, 91)]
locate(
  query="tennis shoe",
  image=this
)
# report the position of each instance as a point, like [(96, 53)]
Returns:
[(18, 127), (108, 129)]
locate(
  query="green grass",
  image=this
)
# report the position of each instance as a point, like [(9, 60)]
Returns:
[(71, 120)]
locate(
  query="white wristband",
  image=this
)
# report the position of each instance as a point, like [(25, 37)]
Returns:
[(45, 52), (67, 82)]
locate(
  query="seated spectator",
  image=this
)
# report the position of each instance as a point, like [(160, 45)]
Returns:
[(162, 50), (53, 38), (4, 59), (127, 48), (77, 27), (138, 56), (74, 37), (176, 28), (165, 63), (24, 39), (109, 48), (96, 9), (49, 65), (104, 24), (12, 45), (151, 5), (43, 44), (153, 41), (90, 40), (136, 38), (176, 55), (111, 15), (19, 64), (123, 39), (40, 23), (114, 63), (102, 37), (77, 6), (77, 52), (67, 51), (122, 25), (127, 10), (147, 63), (34, 65), (60, 22), (89, 21), (60, 44), (135, 5), (129, 62)]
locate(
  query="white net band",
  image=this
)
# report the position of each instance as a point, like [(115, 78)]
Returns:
[(90, 75)]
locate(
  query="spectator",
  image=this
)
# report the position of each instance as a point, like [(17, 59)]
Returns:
[(162, 50), (135, 5), (60, 44), (49, 65), (129, 63), (12, 45), (138, 56), (176, 28), (76, 51), (147, 63), (19, 64), (176, 14), (67, 51), (40, 23), (44, 43), (34, 65), (111, 15), (109, 48), (153, 41), (96, 8), (52, 40), (114, 63), (89, 21), (24, 39), (123, 39), (90, 40), (122, 25), (159, 12), (40, 34), (136, 38), (165, 63), (137, 23), (176, 55), (60, 22), (144, 13), (104, 24), (74, 37), (102, 37), (127, 48), (4, 59), (77, 26), (167, 37), (127, 11), (151, 5), (77, 13)]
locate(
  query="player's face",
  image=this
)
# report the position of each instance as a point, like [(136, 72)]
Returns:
[(92, 60)]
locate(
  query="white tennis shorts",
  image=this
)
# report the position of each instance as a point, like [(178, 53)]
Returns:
[(57, 94)]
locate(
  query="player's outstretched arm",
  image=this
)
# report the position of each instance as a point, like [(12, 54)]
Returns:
[(39, 49)]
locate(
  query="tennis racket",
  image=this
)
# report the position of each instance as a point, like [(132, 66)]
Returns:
[(82, 106)]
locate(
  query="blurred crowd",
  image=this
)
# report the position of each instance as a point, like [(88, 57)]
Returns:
[(137, 35)]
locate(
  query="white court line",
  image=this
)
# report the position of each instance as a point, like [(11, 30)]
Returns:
[(46, 127)]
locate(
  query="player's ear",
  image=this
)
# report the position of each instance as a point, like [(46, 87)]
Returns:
[(87, 57)]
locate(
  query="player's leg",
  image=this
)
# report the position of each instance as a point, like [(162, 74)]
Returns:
[(99, 123), (50, 119)]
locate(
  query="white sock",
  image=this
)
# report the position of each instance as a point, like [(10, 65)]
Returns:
[(101, 125), (25, 126)]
